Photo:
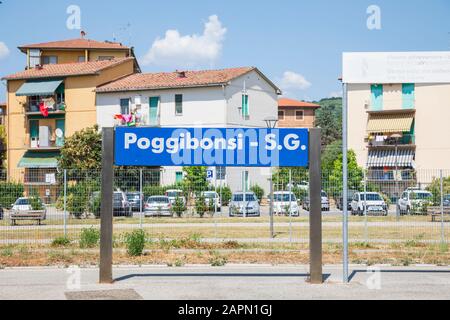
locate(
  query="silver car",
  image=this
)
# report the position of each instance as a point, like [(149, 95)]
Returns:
[(158, 206), (249, 205)]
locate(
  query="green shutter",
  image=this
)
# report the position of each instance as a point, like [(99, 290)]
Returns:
[(377, 97), (153, 116), (179, 177), (34, 129), (245, 109), (408, 95), (178, 104), (60, 124)]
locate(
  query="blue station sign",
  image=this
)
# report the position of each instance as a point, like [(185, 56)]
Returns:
[(232, 147)]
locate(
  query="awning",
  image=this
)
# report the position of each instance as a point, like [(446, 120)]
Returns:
[(390, 123), (387, 158), (39, 160), (42, 88)]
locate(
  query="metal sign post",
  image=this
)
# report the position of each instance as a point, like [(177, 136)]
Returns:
[(345, 183), (315, 219), (106, 213)]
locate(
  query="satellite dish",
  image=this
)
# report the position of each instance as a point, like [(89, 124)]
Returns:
[(59, 133)]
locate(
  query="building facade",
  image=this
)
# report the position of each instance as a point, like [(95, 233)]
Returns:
[(229, 98), (400, 130), (296, 114), (53, 98)]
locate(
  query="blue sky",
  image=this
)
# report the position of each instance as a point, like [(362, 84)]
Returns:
[(297, 44)]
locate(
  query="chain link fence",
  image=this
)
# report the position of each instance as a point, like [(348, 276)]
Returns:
[(172, 204)]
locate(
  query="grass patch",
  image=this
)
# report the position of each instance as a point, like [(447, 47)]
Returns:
[(61, 242), (89, 238), (217, 260)]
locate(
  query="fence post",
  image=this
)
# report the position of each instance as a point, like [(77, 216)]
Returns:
[(106, 212), (366, 233), (141, 198), (290, 209), (65, 203), (272, 235), (442, 207)]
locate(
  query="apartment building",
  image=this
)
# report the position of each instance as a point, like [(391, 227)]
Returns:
[(53, 98), (236, 97), (296, 114)]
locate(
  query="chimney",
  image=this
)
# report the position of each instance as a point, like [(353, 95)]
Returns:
[(181, 74)]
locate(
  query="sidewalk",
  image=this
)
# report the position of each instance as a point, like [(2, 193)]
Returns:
[(258, 282)]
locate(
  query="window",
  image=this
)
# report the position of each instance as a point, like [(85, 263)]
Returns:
[(81, 59), (280, 115), (125, 106), (179, 177), (408, 95), (35, 57), (179, 104), (221, 173), (104, 58), (49, 60), (376, 97), (299, 115), (245, 108)]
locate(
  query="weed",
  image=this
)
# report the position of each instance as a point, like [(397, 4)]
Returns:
[(89, 238), (61, 242)]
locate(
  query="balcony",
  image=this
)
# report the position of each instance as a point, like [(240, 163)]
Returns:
[(45, 134), (32, 109), (388, 142)]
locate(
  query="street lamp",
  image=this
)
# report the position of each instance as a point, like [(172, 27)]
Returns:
[(271, 123)]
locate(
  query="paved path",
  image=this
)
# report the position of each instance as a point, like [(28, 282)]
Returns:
[(232, 282)]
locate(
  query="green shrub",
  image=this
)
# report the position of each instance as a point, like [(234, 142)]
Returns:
[(259, 192), (179, 207), (226, 194), (89, 238), (300, 194), (35, 201), (135, 242), (200, 206), (61, 242), (7, 252), (9, 193), (150, 191)]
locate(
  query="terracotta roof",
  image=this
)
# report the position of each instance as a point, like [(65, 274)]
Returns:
[(166, 80), (285, 102), (67, 69), (76, 44)]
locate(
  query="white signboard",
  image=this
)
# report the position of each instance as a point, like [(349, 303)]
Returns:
[(396, 67)]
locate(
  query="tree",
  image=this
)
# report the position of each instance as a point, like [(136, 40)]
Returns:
[(330, 154), (195, 179), (82, 151), (355, 175), (3, 147), (329, 119)]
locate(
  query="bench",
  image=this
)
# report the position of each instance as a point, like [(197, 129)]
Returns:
[(28, 216), (435, 212)]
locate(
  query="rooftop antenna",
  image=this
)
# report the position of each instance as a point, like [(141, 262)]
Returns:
[(83, 34)]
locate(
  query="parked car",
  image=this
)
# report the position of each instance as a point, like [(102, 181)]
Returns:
[(212, 196), (302, 185), (285, 202), (24, 204), (414, 201), (134, 199), (174, 194), (121, 206), (324, 200), (340, 200), (371, 202), (447, 200), (250, 203), (158, 206)]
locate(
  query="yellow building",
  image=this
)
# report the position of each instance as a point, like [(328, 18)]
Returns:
[(59, 79)]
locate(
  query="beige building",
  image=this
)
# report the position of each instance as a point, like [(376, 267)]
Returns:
[(296, 114), (400, 132)]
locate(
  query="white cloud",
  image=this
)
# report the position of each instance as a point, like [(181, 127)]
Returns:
[(335, 94), (4, 51), (176, 50), (292, 80)]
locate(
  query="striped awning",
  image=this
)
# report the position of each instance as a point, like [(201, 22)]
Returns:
[(390, 123), (387, 158), (38, 88)]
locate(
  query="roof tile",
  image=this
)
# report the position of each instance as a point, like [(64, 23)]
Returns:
[(285, 102), (80, 43)]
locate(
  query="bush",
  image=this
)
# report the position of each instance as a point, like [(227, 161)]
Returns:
[(135, 242), (226, 195), (95, 205), (150, 191), (80, 195), (259, 192), (200, 206), (89, 238), (61, 242), (300, 194), (35, 201), (9, 193), (179, 207)]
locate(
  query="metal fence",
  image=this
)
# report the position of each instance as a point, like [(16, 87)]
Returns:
[(39, 206)]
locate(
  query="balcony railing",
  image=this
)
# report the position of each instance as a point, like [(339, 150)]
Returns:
[(36, 144), (33, 109), (405, 140), (391, 175)]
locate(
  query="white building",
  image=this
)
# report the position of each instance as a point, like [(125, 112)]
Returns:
[(229, 98)]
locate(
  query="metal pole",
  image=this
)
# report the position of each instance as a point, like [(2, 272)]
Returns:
[(395, 179), (272, 231), (215, 203), (141, 198), (106, 213), (244, 196), (345, 182), (366, 233), (442, 208), (65, 203), (290, 209), (315, 220)]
